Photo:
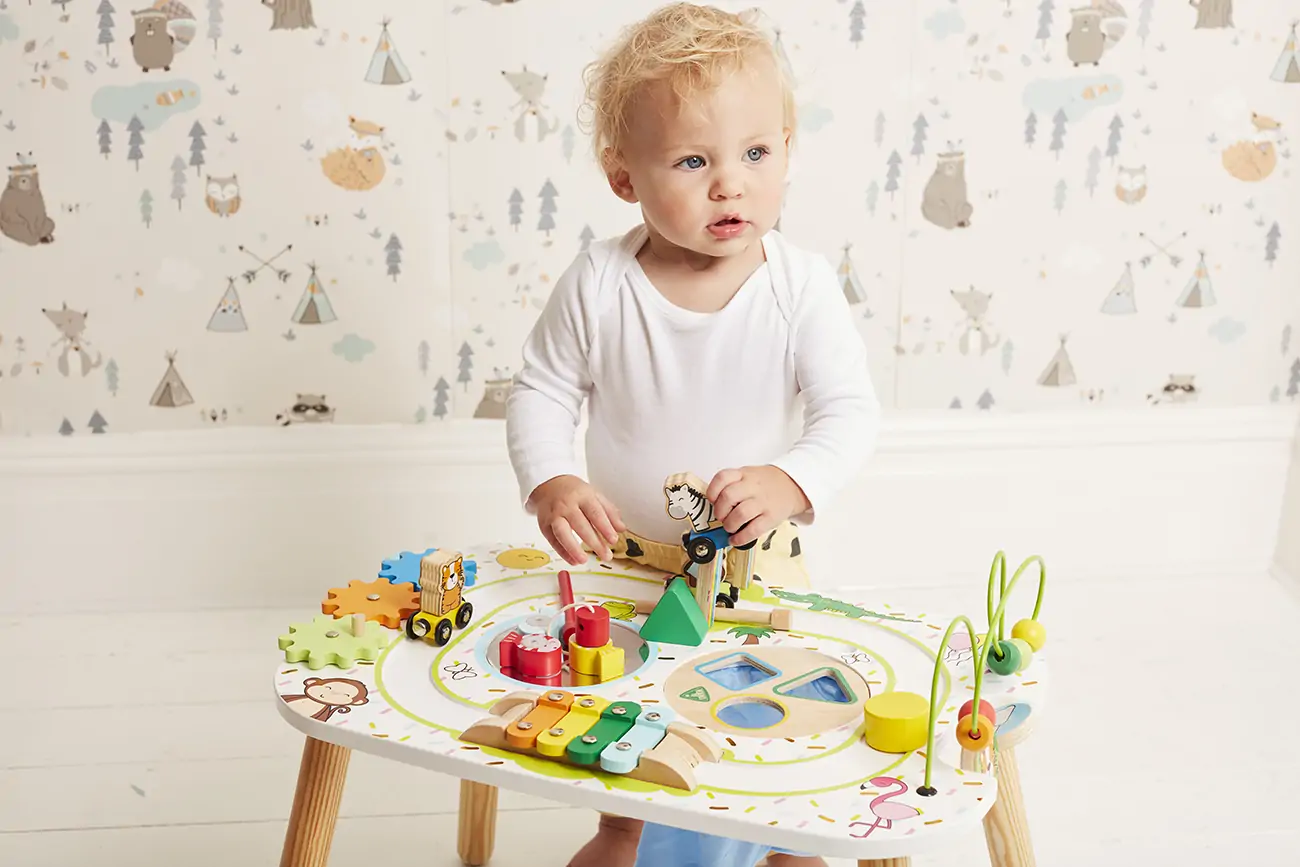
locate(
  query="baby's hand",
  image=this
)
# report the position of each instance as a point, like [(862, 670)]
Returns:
[(566, 505), (753, 500)]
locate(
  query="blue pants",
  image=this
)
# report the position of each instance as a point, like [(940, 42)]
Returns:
[(662, 846)]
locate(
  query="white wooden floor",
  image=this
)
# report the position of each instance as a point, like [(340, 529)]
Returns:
[(153, 740)]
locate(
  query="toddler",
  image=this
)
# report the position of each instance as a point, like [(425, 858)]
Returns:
[(701, 340)]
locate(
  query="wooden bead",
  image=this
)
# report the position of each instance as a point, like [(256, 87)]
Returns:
[(986, 711), (1004, 658), (1026, 653), (977, 740), (1031, 632), (896, 722)]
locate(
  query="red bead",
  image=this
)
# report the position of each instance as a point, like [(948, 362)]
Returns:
[(986, 711), (593, 626)]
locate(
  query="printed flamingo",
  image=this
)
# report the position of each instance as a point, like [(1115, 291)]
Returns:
[(885, 811)]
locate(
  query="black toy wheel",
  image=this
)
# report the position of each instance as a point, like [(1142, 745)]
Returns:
[(442, 634), (463, 615), (701, 550), (725, 601), (416, 627)]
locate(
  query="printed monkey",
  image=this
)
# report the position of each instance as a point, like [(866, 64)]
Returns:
[(324, 697)]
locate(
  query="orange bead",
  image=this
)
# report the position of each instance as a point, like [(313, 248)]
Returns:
[(986, 711), (977, 740)]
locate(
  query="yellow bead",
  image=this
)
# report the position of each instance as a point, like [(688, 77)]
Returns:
[(1026, 653), (1031, 632), (978, 739), (896, 722)]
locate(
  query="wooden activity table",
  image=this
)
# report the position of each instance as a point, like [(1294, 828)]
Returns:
[(784, 707)]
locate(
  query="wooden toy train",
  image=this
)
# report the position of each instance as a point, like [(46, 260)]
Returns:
[(442, 580)]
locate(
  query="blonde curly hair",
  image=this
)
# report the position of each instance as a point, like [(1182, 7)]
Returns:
[(691, 47)]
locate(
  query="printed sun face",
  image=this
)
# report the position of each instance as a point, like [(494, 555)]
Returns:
[(523, 558)]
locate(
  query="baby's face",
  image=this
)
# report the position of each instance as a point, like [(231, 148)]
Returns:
[(709, 176)]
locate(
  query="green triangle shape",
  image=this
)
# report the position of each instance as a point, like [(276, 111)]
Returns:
[(677, 618), (697, 693)]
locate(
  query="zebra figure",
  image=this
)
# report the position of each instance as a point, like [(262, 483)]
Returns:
[(707, 538)]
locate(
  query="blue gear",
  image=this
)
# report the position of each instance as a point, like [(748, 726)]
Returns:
[(405, 569)]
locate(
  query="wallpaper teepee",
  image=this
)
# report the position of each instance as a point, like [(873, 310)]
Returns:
[(373, 201)]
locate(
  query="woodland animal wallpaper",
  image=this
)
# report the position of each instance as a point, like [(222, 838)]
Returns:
[(293, 212)]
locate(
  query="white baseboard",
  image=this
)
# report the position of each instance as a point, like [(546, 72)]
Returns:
[(265, 517)]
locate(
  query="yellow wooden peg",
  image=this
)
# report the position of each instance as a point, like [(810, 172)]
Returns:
[(896, 722)]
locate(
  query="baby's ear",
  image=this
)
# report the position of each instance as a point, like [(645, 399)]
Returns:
[(619, 179)]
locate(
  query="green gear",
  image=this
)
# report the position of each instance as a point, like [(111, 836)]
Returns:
[(326, 641)]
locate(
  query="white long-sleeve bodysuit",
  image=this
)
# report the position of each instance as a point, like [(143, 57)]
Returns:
[(778, 376)]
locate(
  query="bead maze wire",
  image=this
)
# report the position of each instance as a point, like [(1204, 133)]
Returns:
[(996, 617)]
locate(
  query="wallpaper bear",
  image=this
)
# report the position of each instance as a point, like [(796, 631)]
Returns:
[(296, 212)]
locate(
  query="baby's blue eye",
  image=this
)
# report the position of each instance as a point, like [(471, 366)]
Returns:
[(756, 153), (692, 162)]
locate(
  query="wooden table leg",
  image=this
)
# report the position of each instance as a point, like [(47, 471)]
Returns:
[(321, 774), (477, 833), (1006, 830)]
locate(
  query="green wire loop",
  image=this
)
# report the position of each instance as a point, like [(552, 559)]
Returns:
[(996, 618), (934, 684)]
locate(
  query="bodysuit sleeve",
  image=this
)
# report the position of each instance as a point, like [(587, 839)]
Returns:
[(546, 396), (841, 407)]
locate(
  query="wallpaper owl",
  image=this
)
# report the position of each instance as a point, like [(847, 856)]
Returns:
[(287, 212)]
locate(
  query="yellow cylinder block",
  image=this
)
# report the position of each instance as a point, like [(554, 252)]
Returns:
[(896, 722)]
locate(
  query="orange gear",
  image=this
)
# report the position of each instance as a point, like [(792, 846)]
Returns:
[(380, 600)]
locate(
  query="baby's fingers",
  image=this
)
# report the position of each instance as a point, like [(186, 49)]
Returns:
[(595, 512), (562, 540), (588, 534), (615, 517), (753, 529)]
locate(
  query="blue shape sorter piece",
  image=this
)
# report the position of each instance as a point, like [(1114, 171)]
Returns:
[(405, 569)]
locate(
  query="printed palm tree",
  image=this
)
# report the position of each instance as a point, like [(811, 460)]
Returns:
[(752, 633)]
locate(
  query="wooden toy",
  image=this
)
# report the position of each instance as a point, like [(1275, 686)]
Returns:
[(780, 619), (566, 600), (896, 722), (534, 658), (405, 568), (676, 618), (442, 577), (642, 743), (707, 541), (592, 652), (380, 600), (869, 733), (327, 641)]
